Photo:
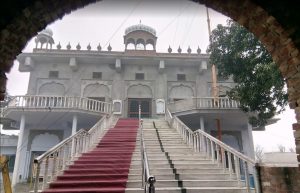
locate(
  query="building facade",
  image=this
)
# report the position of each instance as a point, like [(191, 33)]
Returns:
[(71, 88)]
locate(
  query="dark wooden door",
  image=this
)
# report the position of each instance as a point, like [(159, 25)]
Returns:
[(133, 107)]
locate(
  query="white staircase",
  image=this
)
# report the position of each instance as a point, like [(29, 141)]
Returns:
[(177, 167)]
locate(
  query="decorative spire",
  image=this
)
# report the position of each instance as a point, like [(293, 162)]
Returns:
[(58, 46), (69, 46), (199, 50), (89, 47), (109, 48), (169, 49), (189, 50), (179, 50), (99, 47), (78, 47)]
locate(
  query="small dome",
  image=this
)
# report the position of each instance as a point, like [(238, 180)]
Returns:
[(140, 36), (47, 32), (140, 27), (44, 38)]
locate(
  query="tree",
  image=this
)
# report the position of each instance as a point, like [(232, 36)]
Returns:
[(292, 149), (239, 55), (281, 148), (259, 153)]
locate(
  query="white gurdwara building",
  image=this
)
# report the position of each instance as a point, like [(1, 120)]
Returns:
[(72, 88)]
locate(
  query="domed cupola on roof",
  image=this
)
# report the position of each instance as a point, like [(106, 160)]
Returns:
[(140, 36), (44, 37)]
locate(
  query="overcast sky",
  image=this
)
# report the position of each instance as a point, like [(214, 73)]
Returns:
[(180, 23)]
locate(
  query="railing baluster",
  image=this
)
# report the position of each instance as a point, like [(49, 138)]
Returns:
[(206, 147), (37, 178), (218, 154), (223, 158), (45, 175), (64, 154), (237, 169), (54, 166), (229, 164), (212, 151)]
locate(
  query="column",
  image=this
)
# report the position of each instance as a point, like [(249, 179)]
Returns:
[(251, 143), (15, 179), (74, 124), (203, 144), (24, 164), (74, 130), (202, 123)]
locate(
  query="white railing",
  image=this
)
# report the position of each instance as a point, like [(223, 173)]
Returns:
[(148, 180), (204, 103), (59, 102), (240, 167), (53, 162)]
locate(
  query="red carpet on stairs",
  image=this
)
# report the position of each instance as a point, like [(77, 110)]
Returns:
[(105, 168)]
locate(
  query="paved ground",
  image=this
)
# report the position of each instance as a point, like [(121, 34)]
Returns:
[(20, 188)]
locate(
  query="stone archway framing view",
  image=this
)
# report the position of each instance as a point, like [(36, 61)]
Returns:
[(20, 21)]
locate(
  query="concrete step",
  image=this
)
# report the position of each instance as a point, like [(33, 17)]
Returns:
[(192, 190), (172, 155), (157, 177), (179, 163), (167, 170), (185, 183)]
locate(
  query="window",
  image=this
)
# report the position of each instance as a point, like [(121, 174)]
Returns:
[(139, 76), (97, 75), (53, 74), (181, 77)]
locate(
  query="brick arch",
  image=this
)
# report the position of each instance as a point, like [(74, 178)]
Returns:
[(34, 16)]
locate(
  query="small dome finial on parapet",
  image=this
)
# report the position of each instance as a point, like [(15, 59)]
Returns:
[(44, 37), (89, 47), (58, 46), (199, 50), (78, 47), (109, 48), (69, 46), (179, 50), (189, 50), (170, 49), (99, 47)]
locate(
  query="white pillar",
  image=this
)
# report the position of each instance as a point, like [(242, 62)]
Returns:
[(74, 129), (24, 165), (15, 179), (74, 125), (202, 138), (251, 143), (202, 123)]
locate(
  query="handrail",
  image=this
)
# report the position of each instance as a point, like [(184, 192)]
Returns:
[(148, 180), (59, 102), (50, 164), (40, 158), (204, 103), (237, 164)]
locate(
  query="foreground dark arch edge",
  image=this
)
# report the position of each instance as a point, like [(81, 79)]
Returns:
[(21, 20)]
